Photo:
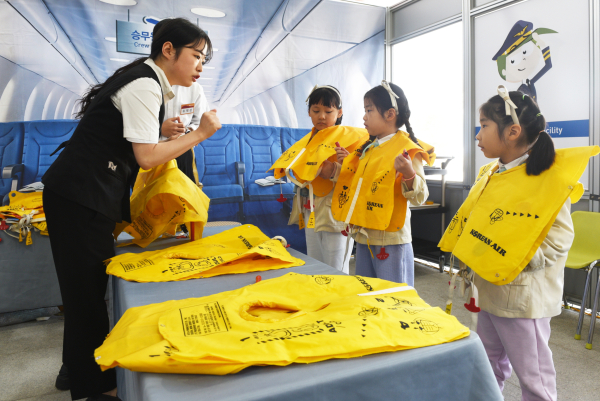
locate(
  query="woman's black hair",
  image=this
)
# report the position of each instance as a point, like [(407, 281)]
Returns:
[(380, 97), (328, 98), (533, 125), (179, 31)]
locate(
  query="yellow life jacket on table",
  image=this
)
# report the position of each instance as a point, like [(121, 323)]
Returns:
[(290, 319), (368, 194), (239, 250), (507, 215), (162, 199), (24, 213)]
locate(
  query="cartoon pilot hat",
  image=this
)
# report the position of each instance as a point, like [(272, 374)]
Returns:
[(521, 33)]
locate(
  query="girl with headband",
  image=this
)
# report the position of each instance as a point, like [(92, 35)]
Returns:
[(514, 231), (375, 184), (301, 163)]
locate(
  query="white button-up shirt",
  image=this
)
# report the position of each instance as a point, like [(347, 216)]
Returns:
[(139, 102)]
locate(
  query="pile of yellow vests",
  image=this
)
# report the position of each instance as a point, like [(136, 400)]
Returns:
[(291, 319), (24, 214), (239, 250)]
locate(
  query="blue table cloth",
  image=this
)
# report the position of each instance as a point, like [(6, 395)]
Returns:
[(454, 371)]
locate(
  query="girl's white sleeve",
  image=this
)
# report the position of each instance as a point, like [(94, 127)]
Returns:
[(558, 241), (419, 194)]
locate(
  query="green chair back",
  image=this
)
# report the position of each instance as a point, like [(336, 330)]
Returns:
[(586, 245)]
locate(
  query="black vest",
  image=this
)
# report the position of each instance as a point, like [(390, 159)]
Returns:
[(97, 168)]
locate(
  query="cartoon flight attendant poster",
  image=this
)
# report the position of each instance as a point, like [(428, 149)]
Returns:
[(540, 48), (521, 54)]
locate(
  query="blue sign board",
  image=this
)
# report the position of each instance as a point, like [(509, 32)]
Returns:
[(133, 37)]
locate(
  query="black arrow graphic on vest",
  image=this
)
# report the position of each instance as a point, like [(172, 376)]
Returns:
[(507, 213), (514, 214), (537, 217), (363, 335), (528, 215), (521, 214)]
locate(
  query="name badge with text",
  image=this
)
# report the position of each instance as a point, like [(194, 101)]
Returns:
[(187, 108)]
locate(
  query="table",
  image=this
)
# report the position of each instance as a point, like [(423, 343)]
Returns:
[(455, 371)]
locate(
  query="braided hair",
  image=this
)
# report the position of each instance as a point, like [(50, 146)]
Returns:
[(532, 123), (380, 97)]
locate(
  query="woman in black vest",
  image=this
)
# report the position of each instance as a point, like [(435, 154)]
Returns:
[(87, 188)]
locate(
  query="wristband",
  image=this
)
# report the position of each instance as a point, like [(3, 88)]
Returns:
[(408, 179)]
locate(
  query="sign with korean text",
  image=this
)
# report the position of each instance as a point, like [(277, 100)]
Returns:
[(133, 37)]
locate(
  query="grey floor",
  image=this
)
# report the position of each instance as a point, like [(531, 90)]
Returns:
[(30, 353)]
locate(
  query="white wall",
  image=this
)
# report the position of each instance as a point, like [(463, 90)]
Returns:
[(26, 96)]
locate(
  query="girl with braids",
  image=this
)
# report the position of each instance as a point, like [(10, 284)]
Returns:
[(91, 179), (514, 231), (376, 182)]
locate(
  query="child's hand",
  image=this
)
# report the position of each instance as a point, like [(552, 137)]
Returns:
[(341, 153), (326, 170), (403, 165)]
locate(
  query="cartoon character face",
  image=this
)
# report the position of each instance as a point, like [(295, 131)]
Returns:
[(522, 63), (343, 197)]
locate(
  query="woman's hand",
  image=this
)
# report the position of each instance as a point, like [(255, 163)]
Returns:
[(341, 154), (172, 127), (403, 165), (209, 124), (326, 170)]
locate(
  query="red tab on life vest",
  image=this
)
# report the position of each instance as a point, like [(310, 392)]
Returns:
[(382, 255), (471, 307)]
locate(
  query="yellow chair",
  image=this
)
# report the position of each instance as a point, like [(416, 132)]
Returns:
[(585, 254)]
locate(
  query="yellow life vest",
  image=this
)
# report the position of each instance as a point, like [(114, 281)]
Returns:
[(24, 212), (306, 156), (290, 319), (162, 199), (507, 215), (22, 202), (239, 250), (429, 149), (368, 194)]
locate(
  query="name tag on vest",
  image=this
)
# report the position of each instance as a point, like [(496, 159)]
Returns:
[(187, 108)]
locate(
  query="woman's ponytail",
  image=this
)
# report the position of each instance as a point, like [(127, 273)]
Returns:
[(542, 155), (87, 98)]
